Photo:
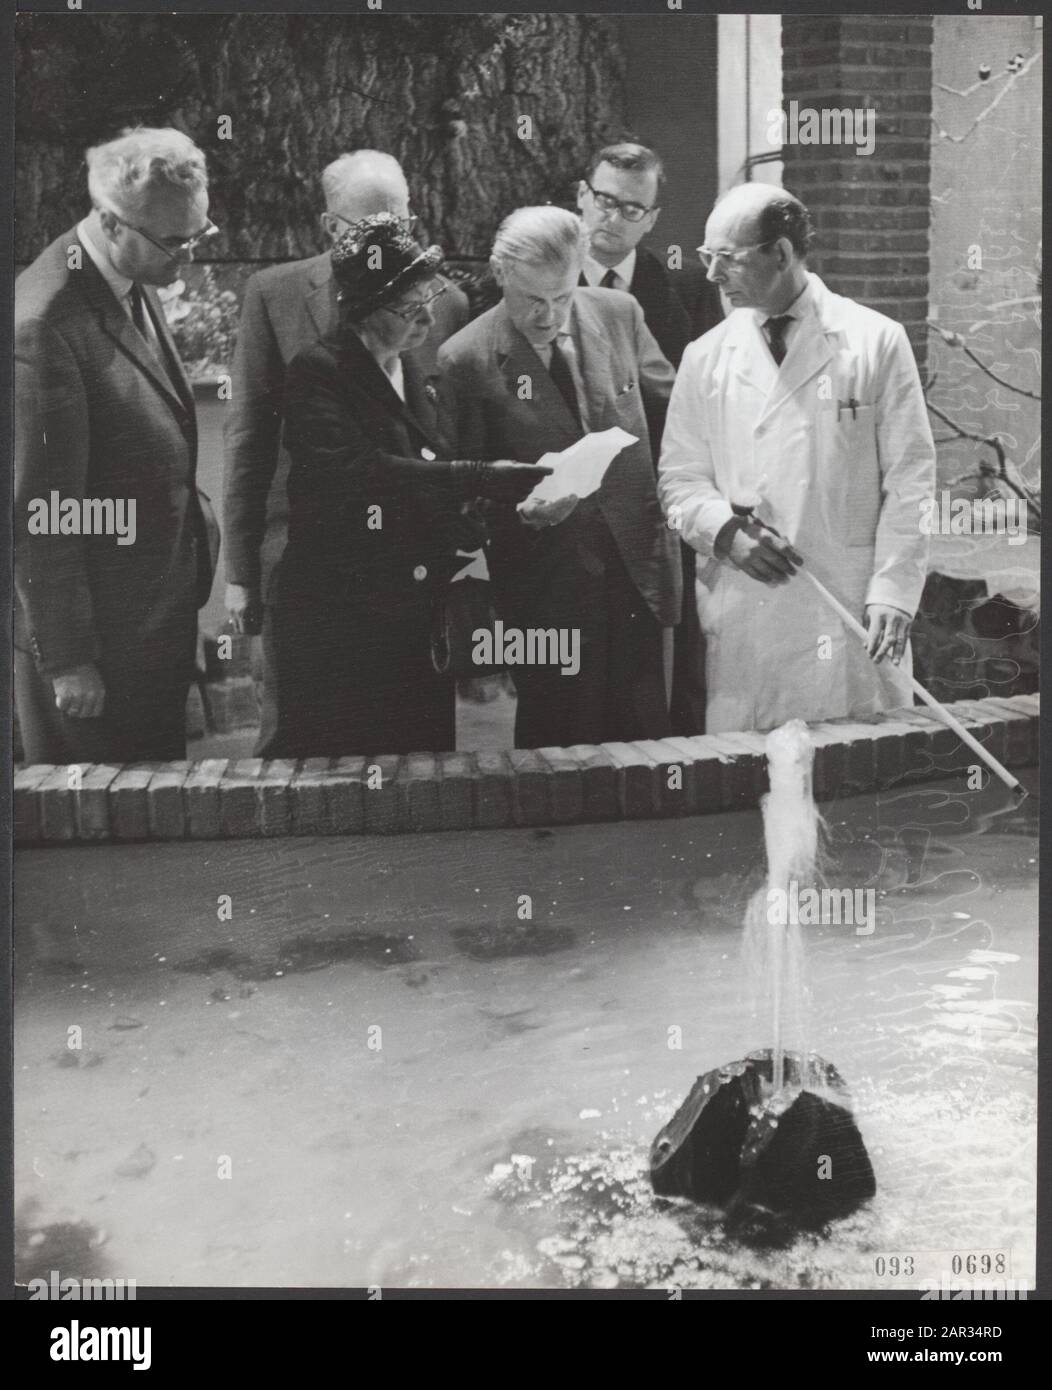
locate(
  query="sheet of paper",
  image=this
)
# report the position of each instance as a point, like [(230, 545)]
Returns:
[(580, 469), (475, 566)]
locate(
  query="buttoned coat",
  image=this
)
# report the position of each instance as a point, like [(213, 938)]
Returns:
[(836, 446), (285, 309), (498, 401), (99, 416)]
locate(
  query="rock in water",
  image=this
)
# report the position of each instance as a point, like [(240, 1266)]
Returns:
[(775, 1163)]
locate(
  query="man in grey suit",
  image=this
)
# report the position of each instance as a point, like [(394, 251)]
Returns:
[(112, 549), (288, 308), (551, 362)]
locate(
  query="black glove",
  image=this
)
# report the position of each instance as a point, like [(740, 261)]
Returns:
[(500, 481)]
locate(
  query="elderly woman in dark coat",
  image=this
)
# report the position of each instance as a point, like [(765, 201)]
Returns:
[(376, 518)]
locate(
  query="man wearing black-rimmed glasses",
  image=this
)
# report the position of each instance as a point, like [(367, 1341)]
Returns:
[(106, 624), (286, 309), (619, 201)]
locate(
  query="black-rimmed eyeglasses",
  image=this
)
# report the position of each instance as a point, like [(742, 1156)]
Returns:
[(606, 202)]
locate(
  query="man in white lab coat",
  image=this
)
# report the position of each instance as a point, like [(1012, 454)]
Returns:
[(807, 407)]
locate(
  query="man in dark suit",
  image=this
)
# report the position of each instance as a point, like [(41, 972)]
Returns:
[(106, 623), (286, 309), (548, 364), (619, 202)]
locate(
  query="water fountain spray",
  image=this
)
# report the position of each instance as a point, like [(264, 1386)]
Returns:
[(771, 1139)]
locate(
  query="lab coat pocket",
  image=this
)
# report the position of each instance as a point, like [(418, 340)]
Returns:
[(852, 470)]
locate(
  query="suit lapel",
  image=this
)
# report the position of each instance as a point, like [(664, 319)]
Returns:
[(164, 334), (117, 325), (516, 359), (593, 357), (809, 351), (416, 412), (320, 298)]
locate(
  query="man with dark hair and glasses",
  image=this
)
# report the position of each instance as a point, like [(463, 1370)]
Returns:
[(797, 434), (286, 309), (619, 201), (106, 623)]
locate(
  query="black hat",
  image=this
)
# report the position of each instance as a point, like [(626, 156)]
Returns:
[(375, 261)]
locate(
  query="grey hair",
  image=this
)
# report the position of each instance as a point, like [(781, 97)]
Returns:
[(123, 172), (545, 236), (365, 167)]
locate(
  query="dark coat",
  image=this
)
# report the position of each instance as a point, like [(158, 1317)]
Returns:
[(481, 368), (98, 416), (611, 571), (285, 309), (357, 598)]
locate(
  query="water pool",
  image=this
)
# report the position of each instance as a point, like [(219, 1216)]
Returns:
[(232, 1116)]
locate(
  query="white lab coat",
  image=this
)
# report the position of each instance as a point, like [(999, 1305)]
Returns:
[(845, 484)]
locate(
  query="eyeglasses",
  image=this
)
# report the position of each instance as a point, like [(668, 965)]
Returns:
[(631, 212), (171, 246), (733, 257), (407, 223), (409, 311)]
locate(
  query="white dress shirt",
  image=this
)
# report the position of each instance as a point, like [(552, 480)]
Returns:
[(623, 271)]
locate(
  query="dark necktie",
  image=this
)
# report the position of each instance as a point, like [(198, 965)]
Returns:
[(776, 336), (609, 280), (138, 310), (559, 371), (154, 341)]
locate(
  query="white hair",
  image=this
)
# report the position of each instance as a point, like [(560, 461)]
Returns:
[(367, 174), (123, 172), (541, 236)]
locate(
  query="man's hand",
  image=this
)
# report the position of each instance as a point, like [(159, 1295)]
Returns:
[(763, 556), (888, 630), (80, 693), (245, 608), (540, 514)]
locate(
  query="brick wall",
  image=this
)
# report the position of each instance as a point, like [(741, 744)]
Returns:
[(871, 212)]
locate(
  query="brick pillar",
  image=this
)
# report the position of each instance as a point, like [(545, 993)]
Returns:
[(871, 212)]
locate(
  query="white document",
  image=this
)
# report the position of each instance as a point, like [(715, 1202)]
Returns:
[(578, 470), (475, 566)]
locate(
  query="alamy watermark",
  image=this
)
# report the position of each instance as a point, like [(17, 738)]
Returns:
[(531, 646), (813, 907), (974, 516), (83, 516), (829, 125)]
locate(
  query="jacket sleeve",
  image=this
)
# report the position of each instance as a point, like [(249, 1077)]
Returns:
[(338, 472), (252, 436), (52, 432), (906, 452), (690, 498)]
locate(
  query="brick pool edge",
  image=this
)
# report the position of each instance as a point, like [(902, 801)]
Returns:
[(393, 794)]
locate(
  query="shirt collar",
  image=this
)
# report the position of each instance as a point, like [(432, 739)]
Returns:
[(594, 272), (801, 306), (118, 283), (564, 337)]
